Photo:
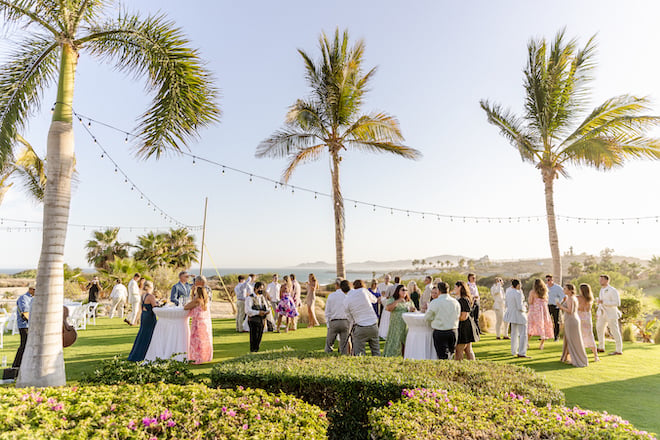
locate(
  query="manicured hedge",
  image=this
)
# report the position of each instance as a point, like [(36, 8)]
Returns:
[(156, 411), (119, 371), (348, 387), (431, 414)]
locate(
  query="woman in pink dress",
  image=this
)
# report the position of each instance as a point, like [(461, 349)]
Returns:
[(200, 349), (585, 300), (538, 319)]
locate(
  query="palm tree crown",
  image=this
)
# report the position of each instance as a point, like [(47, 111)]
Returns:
[(549, 134), (330, 120), (105, 248)]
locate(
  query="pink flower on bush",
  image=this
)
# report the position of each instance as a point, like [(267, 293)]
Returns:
[(196, 422), (245, 426), (113, 407), (224, 409), (231, 413), (171, 423), (321, 415), (131, 425), (267, 404), (148, 421), (166, 414), (58, 407), (258, 417), (390, 403), (239, 387)]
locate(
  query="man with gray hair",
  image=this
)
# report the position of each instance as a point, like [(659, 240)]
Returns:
[(336, 317), (180, 293)]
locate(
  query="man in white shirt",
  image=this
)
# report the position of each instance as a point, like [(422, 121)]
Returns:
[(443, 313), (296, 296), (382, 289), (359, 310), (118, 296), (273, 294), (426, 295), (474, 291), (240, 291), (134, 300), (516, 315), (336, 317), (497, 292), (608, 314), (555, 297)]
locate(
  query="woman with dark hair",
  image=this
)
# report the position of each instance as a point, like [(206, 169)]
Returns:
[(147, 324), (200, 348), (539, 319), (373, 289), (573, 352), (468, 332), (585, 301), (256, 310), (399, 304)]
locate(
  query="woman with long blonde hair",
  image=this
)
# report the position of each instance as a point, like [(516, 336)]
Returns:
[(310, 300), (539, 320), (585, 301), (200, 348)]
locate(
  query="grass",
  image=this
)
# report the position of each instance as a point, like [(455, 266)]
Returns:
[(627, 385)]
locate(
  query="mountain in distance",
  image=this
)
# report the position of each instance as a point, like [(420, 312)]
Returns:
[(382, 265)]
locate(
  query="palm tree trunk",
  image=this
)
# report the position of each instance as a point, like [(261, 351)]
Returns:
[(338, 205), (548, 181), (43, 361)]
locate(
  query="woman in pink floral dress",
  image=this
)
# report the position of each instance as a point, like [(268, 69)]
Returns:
[(200, 349), (539, 321)]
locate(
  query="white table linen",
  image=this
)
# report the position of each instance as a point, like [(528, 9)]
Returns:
[(171, 334), (419, 342)]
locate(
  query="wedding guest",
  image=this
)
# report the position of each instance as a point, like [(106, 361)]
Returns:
[(373, 289), (256, 309), (608, 314), (468, 332), (310, 300), (360, 312), (180, 293), (239, 291), (296, 296), (118, 296), (23, 306), (413, 293), (539, 320), (200, 349), (133, 299), (585, 301), (555, 296), (573, 352), (474, 293), (497, 291), (286, 308), (273, 293), (443, 313), (382, 289), (249, 284), (385, 314), (287, 281), (516, 315), (147, 324), (94, 288), (426, 295), (335, 315), (397, 305)]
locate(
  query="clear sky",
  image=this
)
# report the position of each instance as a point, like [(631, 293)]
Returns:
[(436, 60)]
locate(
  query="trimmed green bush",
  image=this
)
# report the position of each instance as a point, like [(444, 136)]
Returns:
[(121, 371), (347, 387), (432, 414), (155, 411)]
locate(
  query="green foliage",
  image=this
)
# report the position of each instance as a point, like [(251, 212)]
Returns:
[(628, 333), (119, 371), (175, 248), (646, 328), (631, 308), (156, 411), (30, 273), (656, 337), (122, 268), (424, 414), (105, 247), (349, 386), (164, 278)]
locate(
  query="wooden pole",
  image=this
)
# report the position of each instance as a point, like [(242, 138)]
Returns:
[(201, 257)]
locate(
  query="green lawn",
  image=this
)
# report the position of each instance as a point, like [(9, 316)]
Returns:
[(627, 385)]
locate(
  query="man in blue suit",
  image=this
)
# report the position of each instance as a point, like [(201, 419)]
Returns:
[(180, 293)]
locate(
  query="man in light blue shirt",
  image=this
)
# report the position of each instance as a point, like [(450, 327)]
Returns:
[(23, 306), (180, 294), (555, 296), (443, 314)]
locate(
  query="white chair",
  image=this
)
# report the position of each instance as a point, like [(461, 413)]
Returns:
[(3, 320), (90, 311), (12, 324), (78, 318)]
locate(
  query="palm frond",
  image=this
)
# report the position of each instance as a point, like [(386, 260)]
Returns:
[(308, 154), (185, 95), (511, 128), (31, 69), (32, 170), (604, 152), (375, 127), (384, 147), (285, 142), (26, 13)]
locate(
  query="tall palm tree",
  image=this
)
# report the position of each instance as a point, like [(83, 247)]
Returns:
[(549, 133), (153, 250), (104, 248), (182, 249), (330, 120), (54, 34)]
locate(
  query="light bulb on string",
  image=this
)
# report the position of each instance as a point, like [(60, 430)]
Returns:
[(316, 196), (374, 208), (102, 155), (126, 139), (293, 190), (193, 160), (223, 170), (250, 177)]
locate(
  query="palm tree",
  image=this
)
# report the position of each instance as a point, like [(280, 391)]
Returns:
[(29, 167), (153, 250), (105, 247), (55, 35), (182, 249), (549, 133), (330, 120)]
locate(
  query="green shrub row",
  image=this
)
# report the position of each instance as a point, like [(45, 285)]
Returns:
[(156, 411), (348, 387), (119, 371), (431, 414)]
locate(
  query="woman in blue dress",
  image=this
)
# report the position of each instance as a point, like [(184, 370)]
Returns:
[(147, 324)]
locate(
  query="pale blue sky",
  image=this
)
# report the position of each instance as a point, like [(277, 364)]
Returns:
[(435, 61)]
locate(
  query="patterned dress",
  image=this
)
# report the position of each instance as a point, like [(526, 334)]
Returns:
[(287, 307), (587, 327), (539, 321), (200, 349), (398, 330)]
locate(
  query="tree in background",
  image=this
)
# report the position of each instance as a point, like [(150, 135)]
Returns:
[(182, 250), (331, 120), (105, 247), (549, 134), (54, 35)]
